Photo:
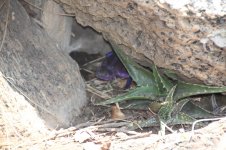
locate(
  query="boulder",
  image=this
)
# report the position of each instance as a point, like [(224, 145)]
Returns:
[(188, 37), (37, 68), (70, 35)]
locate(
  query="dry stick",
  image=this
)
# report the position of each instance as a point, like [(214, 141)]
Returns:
[(138, 125), (64, 133), (111, 130), (167, 127), (58, 134), (93, 61), (97, 92), (202, 120), (141, 135), (89, 123), (89, 71), (99, 123), (87, 82), (113, 125), (6, 25), (33, 5)]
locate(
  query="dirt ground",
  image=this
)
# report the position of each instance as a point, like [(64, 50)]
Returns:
[(22, 128)]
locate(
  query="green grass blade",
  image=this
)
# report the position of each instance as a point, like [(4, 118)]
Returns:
[(140, 93), (170, 74), (196, 111), (166, 110), (136, 104), (187, 89), (157, 77), (162, 83), (179, 106)]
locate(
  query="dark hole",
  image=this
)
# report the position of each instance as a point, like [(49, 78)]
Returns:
[(83, 58)]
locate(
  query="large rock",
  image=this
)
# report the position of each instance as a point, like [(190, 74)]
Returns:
[(85, 39), (185, 36), (48, 78), (56, 24), (70, 35)]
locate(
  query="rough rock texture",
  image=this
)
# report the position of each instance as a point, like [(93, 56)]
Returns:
[(87, 40), (18, 118), (57, 26), (33, 63), (185, 36), (33, 7), (70, 35)]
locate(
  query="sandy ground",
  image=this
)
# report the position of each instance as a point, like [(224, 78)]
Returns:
[(21, 128)]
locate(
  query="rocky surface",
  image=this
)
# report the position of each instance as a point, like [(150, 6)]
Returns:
[(87, 40), (69, 34), (187, 37), (49, 79), (56, 24)]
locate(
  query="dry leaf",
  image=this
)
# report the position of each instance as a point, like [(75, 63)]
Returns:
[(116, 113)]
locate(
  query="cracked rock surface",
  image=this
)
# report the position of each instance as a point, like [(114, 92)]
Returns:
[(188, 37), (37, 69)]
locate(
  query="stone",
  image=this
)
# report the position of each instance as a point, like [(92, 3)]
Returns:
[(185, 37), (57, 25), (69, 34), (48, 78), (85, 39)]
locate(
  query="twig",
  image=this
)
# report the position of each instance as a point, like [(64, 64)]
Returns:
[(97, 92), (93, 61), (112, 130), (68, 131), (202, 120), (6, 25), (141, 135), (152, 111), (86, 124), (89, 71), (168, 128), (113, 125), (83, 125), (102, 124)]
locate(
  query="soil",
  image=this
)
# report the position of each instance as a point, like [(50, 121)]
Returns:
[(22, 128), (98, 131)]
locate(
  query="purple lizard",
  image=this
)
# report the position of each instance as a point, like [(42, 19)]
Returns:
[(112, 68)]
